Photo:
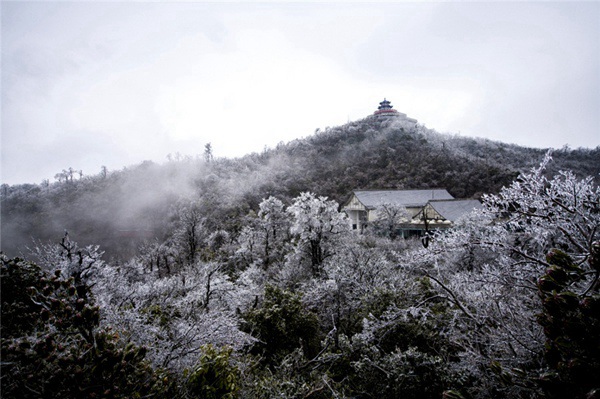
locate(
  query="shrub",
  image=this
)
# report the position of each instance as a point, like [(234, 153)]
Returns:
[(53, 346), (282, 325), (214, 377), (571, 325)]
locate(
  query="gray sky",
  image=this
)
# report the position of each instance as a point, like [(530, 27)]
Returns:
[(86, 84)]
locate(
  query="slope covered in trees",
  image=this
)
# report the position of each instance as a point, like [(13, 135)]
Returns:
[(295, 305), (120, 209), (225, 278)]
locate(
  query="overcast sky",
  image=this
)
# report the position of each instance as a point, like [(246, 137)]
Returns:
[(86, 84)]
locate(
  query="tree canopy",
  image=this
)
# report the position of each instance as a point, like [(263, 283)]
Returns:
[(241, 278)]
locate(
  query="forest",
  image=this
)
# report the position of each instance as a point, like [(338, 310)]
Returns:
[(208, 277)]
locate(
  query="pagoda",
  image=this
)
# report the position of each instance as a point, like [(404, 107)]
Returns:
[(386, 110)]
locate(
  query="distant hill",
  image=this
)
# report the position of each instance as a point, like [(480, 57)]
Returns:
[(120, 209), (373, 153)]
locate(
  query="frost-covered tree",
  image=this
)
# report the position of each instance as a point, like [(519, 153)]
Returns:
[(248, 246), (265, 240), (390, 217), (80, 263), (189, 231), (174, 315), (487, 269), (352, 279), (160, 258), (317, 227), (537, 213), (274, 226), (208, 153)]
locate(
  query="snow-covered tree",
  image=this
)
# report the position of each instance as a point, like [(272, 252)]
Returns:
[(189, 231), (537, 213), (81, 263), (175, 315), (352, 278), (390, 217), (487, 268), (274, 226), (264, 241), (317, 226)]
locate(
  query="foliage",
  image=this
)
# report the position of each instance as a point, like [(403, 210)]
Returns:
[(390, 217), (172, 315), (317, 226), (488, 269), (213, 377), (20, 314), (401, 352), (571, 325), (291, 379), (55, 348), (282, 324), (406, 373), (235, 271), (265, 240)]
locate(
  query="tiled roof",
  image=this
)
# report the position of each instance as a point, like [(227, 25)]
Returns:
[(407, 198), (453, 209)]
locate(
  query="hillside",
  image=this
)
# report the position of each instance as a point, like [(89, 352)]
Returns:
[(225, 278), (120, 209), (372, 154)]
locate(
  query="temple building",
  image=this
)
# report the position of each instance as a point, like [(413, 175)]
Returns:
[(386, 110), (426, 209)]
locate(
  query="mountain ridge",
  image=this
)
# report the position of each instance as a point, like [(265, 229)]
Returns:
[(366, 154)]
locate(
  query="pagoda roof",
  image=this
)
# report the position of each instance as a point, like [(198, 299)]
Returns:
[(385, 104)]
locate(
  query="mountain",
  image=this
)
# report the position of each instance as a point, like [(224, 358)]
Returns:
[(121, 209)]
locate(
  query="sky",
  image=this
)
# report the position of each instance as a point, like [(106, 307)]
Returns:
[(89, 84)]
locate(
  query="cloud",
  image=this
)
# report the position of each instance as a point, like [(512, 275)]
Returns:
[(113, 84)]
